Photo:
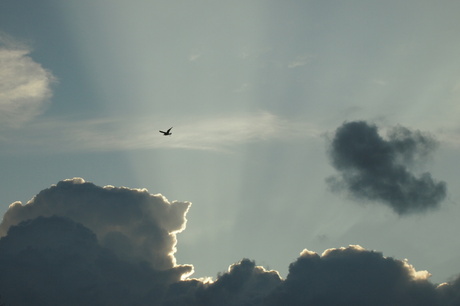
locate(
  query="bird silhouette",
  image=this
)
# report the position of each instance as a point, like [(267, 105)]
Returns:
[(167, 133)]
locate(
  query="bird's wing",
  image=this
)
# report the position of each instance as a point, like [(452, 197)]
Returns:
[(169, 130)]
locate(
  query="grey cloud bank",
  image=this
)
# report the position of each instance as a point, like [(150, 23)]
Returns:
[(377, 169), (55, 261), (79, 244)]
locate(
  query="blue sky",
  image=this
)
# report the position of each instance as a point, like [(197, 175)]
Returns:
[(254, 91)]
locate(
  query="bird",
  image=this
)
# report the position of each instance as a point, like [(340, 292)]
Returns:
[(167, 133)]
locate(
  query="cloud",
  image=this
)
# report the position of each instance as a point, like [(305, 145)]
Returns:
[(56, 261), (134, 224), (243, 284), (25, 86), (220, 133), (79, 244), (194, 56), (450, 292), (300, 61), (377, 169), (243, 88), (224, 132), (353, 276)]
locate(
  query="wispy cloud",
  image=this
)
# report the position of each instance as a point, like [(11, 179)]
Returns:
[(299, 61), (224, 132), (243, 88), (251, 52), (194, 55), (25, 86), (221, 133)]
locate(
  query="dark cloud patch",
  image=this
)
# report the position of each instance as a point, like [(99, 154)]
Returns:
[(450, 293), (342, 276), (50, 255), (377, 169), (353, 276), (243, 284), (55, 261)]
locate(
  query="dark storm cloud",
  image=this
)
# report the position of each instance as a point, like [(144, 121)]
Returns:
[(55, 256), (373, 168)]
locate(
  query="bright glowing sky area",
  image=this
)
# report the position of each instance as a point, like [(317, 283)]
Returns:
[(299, 127)]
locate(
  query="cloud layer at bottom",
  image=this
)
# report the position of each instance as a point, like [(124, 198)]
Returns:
[(79, 244)]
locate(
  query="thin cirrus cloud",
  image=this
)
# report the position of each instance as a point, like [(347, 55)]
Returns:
[(76, 243), (380, 170), (300, 61), (25, 86), (220, 133), (224, 132)]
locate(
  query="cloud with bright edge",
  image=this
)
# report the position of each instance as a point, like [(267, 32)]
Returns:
[(76, 243), (135, 224), (25, 86)]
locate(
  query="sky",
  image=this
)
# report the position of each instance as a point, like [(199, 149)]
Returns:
[(301, 130)]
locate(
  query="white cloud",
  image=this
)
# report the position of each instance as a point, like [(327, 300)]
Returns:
[(25, 86), (244, 87), (224, 132), (299, 61), (194, 56), (252, 52), (380, 82)]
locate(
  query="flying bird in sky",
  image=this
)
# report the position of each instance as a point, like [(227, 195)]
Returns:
[(167, 133)]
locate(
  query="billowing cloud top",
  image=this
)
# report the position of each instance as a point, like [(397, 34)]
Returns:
[(135, 224), (79, 244), (373, 168)]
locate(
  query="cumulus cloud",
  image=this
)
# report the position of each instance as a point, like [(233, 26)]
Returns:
[(339, 276), (56, 261), (133, 223), (79, 244), (353, 276), (243, 284), (25, 86), (373, 168)]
